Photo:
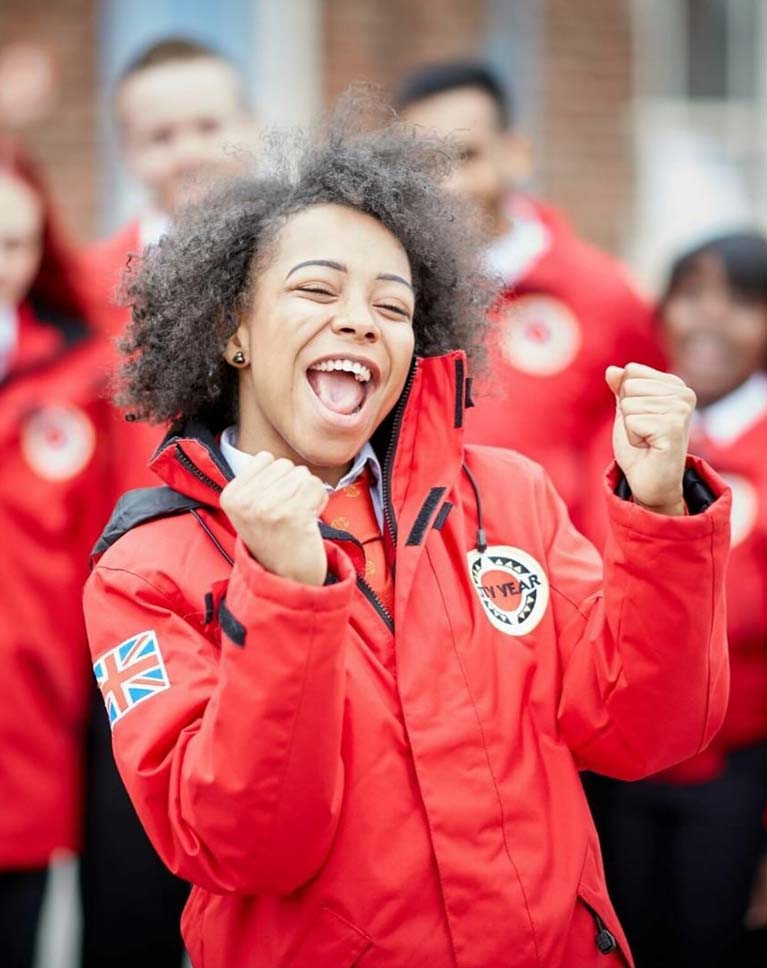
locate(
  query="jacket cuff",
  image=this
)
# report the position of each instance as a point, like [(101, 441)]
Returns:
[(250, 578), (701, 486)]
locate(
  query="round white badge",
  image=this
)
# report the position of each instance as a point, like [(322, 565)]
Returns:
[(57, 441), (745, 505), (540, 336), (512, 587)]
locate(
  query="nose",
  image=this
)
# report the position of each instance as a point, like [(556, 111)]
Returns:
[(357, 324)]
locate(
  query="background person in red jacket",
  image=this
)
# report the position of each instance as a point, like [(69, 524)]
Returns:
[(54, 489), (567, 311), (682, 849), (352, 666), (181, 116)]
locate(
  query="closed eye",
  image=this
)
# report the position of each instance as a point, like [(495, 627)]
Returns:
[(315, 289), (395, 309)]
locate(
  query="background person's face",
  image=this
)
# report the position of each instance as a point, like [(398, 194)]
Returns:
[(714, 339), (486, 168), (307, 316), (21, 228), (177, 121)]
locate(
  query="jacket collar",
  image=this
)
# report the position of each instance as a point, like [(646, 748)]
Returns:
[(423, 447)]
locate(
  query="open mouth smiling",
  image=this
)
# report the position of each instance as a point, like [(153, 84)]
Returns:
[(343, 384)]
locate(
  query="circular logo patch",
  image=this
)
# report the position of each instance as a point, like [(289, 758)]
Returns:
[(511, 586), (57, 441), (541, 335), (745, 504)]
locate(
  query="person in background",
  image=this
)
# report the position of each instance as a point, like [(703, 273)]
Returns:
[(181, 113), (53, 502), (182, 116), (682, 849), (567, 309)]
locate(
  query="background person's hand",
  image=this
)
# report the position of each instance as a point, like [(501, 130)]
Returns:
[(274, 506), (650, 433)]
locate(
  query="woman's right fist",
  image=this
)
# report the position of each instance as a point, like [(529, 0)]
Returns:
[(274, 506)]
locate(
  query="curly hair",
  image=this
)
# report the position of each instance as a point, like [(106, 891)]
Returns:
[(188, 289)]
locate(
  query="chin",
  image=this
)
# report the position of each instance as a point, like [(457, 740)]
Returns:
[(324, 450)]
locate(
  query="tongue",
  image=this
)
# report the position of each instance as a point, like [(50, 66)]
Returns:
[(337, 389)]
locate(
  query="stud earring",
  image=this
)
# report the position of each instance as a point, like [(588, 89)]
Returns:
[(239, 358)]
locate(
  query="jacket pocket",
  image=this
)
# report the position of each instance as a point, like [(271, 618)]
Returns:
[(330, 942), (192, 923)]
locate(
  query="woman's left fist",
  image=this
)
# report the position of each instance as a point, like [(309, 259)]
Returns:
[(650, 434)]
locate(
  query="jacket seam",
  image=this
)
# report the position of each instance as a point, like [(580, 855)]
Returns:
[(133, 574), (708, 650), (487, 760), (573, 604)]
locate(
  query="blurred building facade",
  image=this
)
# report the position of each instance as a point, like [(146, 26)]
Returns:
[(649, 117)]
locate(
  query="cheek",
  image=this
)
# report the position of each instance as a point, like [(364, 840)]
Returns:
[(677, 322), (21, 271), (401, 349), (750, 337)]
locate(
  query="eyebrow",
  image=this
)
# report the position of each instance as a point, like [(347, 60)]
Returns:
[(339, 267)]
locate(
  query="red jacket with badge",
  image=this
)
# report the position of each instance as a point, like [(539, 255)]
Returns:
[(103, 264), (328, 809), (568, 312), (741, 462), (53, 503)]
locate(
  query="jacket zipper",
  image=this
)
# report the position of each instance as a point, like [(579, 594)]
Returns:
[(389, 458), (368, 592), (334, 534), (189, 464), (605, 939), (376, 602)]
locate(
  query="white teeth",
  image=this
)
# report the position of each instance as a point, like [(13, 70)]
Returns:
[(361, 373)]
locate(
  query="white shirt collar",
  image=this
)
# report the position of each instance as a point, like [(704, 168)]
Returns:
[(512, 255), (731, 416), (238, 460)]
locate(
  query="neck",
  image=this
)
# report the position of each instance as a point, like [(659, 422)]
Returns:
[(251, 443), (500, 224), (708, 399)]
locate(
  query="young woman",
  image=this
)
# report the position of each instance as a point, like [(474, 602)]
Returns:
[(53, 502), (693, 836), (353, 667)]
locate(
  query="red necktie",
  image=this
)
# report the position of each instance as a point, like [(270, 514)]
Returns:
[(351, 509)]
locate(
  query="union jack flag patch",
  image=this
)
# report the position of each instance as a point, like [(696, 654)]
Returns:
[(130, 673)]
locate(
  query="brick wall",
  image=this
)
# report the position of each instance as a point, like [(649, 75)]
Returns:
[(66, 141), (379, 41), (582, 127), (584, 149)]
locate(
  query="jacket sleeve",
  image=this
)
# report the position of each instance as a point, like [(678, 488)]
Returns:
[(235, 768), (643, 651)]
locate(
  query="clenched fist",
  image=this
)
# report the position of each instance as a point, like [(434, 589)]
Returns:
[(650, 434), (274, 506)]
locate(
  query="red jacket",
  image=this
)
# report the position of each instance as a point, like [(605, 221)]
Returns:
[(103, 264), (568, 312), (327, 810), (741, 462), (53, 503)]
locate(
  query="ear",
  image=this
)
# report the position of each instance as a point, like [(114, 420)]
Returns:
[(238, 342), (518, 157)]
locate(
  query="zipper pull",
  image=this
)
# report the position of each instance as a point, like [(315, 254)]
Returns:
[(605, 939)]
